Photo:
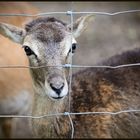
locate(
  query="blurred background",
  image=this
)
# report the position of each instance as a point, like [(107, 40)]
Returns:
[(104, 37)]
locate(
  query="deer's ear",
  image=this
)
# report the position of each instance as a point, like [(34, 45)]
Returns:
[(14, 33), (80, 25)]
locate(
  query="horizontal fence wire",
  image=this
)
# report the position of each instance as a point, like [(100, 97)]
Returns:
[(71, 113), (69, 66), (71, 13)]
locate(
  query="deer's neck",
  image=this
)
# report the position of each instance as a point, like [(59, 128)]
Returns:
[(49, 126), (44, 105)]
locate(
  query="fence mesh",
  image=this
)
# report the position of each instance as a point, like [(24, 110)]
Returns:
[(69, 113)]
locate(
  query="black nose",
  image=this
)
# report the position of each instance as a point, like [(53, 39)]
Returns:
[(57, 88)]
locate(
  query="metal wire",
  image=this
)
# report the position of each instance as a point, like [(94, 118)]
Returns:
[(108, 14), (69, 12), (71, 122), (71, 113), (69, 66), (31, 15), (70, 71), (70, 76)]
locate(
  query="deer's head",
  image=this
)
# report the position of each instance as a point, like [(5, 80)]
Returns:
[(47, 42)]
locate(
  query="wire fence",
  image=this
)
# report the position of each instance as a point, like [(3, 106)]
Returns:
[(70, 13), (69, 113)]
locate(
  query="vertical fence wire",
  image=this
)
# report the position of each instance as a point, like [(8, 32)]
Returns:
[(70, 68), (70, 72), (72, 126)]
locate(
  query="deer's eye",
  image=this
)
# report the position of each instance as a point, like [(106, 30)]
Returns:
[(28, 51), (74, 46)]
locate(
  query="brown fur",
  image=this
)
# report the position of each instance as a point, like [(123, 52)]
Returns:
[(45, 31), (108, 90), (97, 90), (13, 81)]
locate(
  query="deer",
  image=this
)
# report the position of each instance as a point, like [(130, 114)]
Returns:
[(15, 93), (49, 42)]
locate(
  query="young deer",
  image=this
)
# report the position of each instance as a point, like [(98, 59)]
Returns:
[(15, 93), (47, 41)]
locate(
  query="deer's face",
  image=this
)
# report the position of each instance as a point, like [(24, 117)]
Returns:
[(47, 42)]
